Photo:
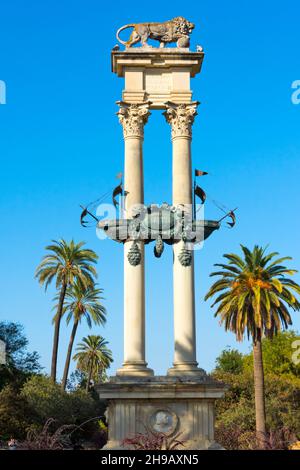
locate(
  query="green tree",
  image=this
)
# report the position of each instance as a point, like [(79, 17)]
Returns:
[(235, 413), (66, 263), (253, 295), (81, 302), (277, 354), (19, 363), (93, 357), (230, 360), (76, 380)]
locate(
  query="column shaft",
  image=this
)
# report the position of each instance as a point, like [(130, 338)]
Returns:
[(133, 118), (134, 276), (183, 276), (181, 118)]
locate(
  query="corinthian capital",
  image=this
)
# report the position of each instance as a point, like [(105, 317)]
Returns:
[(181, 118), (133, 117)]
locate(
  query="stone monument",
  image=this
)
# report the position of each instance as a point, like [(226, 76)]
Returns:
[(182, 401)]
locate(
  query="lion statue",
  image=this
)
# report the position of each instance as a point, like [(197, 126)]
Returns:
[(176, 30)]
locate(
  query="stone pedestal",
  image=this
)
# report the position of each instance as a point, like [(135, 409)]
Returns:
[(179, 407)]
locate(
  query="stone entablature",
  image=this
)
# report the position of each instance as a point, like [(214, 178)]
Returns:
[(157, 75)]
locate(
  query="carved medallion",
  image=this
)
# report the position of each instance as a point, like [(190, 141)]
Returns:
[(163, 420)]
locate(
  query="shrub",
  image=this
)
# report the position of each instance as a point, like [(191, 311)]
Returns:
[(41, 399), (50, 401), (231, 437), (235, 438), (15, 414)]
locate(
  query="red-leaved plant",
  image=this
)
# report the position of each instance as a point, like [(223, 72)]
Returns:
[(153, 441), (46, 440)]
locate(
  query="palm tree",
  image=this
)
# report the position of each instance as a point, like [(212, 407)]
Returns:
[(93, 357), (66, 263), (254, 294), (81, 302)]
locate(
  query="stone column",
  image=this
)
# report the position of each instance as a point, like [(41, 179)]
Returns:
[(133, 117), (181, 118)]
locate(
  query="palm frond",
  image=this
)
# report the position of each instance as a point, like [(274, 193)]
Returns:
[(253, 293)]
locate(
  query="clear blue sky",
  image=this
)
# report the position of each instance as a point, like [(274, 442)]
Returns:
[(61, 145)]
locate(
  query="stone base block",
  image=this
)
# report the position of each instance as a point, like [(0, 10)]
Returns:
[(134, 369), (181, 407), (186, 369)]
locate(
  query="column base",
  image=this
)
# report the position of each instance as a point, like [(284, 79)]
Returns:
[(186, 368), (134, 369)]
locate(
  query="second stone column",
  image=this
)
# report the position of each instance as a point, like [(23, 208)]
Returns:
[(181, 118)]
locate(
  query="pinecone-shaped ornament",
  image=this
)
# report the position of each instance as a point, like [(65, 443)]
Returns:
[(134, 254), (159, 247), (185, 257)]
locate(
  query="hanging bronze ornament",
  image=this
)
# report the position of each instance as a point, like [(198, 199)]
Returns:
[(134, 255), (159, 247), (185, 257)]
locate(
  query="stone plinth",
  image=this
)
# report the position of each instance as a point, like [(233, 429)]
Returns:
[(157, 75), (171, 405)]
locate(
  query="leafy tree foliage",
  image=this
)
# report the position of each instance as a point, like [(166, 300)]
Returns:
[(39, 399), (19, 362), (76, 380), (50, 401), (277, 354), (235, 414), (15, 414), (230, 360)]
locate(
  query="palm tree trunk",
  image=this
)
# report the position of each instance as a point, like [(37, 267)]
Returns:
[(89, 376), (69, 354), (259, 389), (56, 331)]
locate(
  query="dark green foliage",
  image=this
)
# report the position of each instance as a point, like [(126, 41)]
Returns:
[(40, 399), (20, 363), (230, 360), (235, 414), (277, 354), (76, 380), (50, 401), (15, 414)]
